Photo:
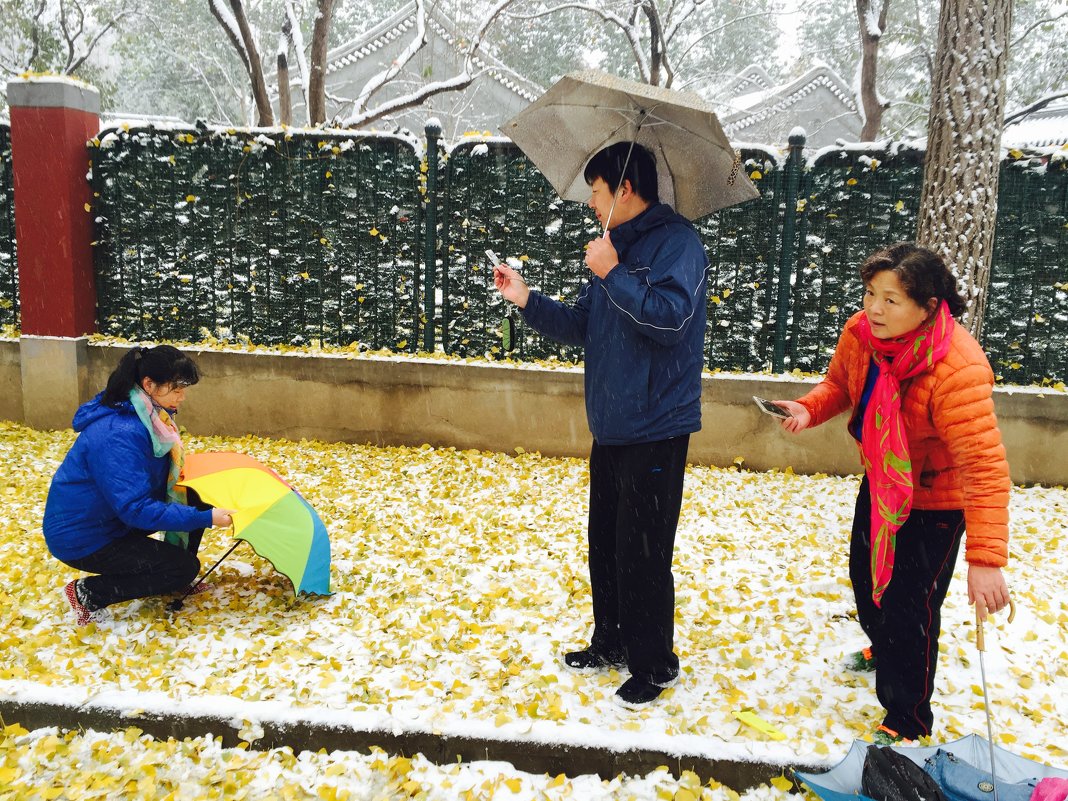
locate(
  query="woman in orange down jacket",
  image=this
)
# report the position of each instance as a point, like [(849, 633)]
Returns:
[(920, 389)]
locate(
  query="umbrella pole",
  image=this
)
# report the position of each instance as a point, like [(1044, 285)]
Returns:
[(177, 603), (980, 644), (626, 163)]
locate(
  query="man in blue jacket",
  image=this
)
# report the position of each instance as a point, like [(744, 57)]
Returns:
[(641, 320)]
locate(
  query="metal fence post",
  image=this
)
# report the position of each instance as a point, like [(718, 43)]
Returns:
[(787, 258), (430, 234)]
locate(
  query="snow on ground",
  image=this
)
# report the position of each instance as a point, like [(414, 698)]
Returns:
[(460, 577), (52, 764)]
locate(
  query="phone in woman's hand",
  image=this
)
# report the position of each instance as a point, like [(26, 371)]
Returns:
[(774, 409)]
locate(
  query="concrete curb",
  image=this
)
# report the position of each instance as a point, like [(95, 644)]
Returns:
[(530, 756)]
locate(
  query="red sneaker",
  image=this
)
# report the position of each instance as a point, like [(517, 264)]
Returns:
[(71, 593)]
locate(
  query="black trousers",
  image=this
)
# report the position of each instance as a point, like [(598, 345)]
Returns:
[(635, 498), (904, 631), (136, 566)]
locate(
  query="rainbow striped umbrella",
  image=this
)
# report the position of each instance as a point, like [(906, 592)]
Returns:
[(268, 514)]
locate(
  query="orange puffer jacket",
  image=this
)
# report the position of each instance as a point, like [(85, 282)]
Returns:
[(954, 442)]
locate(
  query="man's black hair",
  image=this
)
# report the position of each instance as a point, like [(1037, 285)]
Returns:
[(607, 164)]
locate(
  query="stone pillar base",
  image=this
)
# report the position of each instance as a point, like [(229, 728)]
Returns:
[(55, 379)]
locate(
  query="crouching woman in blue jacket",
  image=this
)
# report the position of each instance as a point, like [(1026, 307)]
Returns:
[(116, 486)]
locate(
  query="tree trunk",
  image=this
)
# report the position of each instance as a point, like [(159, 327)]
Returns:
[(317, 79), (872, 28), (655, 41), (958, 204), (264, 113), (285, 102), (240, 35)]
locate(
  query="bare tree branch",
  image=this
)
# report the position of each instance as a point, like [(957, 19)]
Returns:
[(296, 44), (376, 82), (457, 82), (364, 116), (229, 25), (727, 24), (35, 34), (629, 28), (1038, 24), (112, 23), (235, 23)]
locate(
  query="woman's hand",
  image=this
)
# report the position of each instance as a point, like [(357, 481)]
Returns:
[(221, 517), (987, 589), (511, 285), (800, 418)]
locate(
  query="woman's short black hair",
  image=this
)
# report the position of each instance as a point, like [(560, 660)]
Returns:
[(922, 273), (164, 364), (607, 164)]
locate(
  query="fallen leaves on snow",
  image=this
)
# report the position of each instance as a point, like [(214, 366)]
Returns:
[(460, 577)]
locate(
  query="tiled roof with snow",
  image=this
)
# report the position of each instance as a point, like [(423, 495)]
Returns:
[(404, 21)]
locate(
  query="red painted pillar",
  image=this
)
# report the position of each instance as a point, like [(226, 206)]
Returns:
[(51, 121)]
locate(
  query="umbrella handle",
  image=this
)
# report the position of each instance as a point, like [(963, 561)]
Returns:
[(980, 642), (176, 605)]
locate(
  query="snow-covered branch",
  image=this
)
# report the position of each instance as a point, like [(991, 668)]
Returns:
[(417, 43), (1038, 105), (221, 11), (362, 115), (425, 92), (235, 23), (295, 40)]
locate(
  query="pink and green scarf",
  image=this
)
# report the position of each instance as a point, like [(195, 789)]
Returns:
[(165, 439), (883, 440)]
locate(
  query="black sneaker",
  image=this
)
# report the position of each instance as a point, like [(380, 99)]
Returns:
[(636, 692), (591, 659)]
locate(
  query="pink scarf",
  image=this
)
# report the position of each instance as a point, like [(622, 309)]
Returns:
[(165, 440), (883, 440)]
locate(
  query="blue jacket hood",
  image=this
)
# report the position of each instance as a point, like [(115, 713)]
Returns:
[(94, 410), (657, 215)]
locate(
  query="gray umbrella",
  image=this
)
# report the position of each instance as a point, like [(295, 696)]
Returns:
[(698, 170)]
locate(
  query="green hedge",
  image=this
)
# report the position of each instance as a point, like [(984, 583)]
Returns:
[(9, 277), (269, 236), (289, 238)]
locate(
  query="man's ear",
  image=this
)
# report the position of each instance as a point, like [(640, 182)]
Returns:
[(626, 188)]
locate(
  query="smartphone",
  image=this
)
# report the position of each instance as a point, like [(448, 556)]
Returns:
[(494, 261), (774, 409)]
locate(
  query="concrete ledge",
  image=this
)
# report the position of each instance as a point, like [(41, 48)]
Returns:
[(530, 756), (501, 408), (55, 371)]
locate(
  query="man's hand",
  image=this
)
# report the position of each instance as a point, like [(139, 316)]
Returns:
[(511, 285), (601, 256), (987, 589), (800, 420)]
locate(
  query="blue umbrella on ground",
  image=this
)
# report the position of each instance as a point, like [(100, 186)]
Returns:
[(1014, 772)]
